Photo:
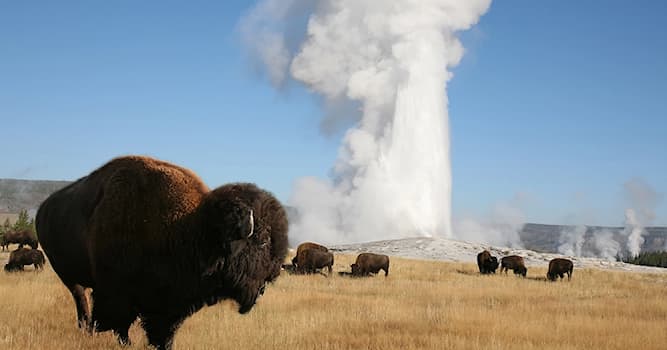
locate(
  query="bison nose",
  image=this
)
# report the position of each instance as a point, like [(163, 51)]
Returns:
[(261, 290)]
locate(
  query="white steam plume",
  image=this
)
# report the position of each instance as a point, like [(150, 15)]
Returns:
[(392, 177), (634, 231), (500, 227), (642, 200), (605, 245), (572, 240)]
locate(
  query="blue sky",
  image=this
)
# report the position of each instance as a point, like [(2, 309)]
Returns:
[(554, 107)]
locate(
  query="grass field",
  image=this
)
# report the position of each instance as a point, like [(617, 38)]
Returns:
[(421, 305)]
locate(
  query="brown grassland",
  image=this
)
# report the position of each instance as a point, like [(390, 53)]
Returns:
[(421, 305)]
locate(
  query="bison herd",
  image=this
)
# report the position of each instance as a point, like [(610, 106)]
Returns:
[(149, 240), (487, 264), (313, 258), (21, 256)]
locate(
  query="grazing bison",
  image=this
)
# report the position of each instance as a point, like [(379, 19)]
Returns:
[(305, 246), (23, 237), (514, 263), (24, 256), (486, 262), (312, 259), (368, 263), (152, 241), (558, 267)]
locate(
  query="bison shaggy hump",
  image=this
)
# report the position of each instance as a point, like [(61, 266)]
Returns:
[(152, 241), (558, 267), (24, 256)]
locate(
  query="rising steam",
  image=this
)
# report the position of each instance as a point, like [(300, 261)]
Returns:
[(641, 201), (392, 177)]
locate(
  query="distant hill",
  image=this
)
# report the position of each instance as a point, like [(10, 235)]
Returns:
[(26, 194)]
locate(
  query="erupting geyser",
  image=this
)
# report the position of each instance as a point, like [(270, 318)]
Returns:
[(392, 177)]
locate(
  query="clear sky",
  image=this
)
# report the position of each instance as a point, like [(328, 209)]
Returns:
[(554, 107)]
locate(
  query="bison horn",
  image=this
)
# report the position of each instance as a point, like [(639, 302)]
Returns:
[(252, 224)]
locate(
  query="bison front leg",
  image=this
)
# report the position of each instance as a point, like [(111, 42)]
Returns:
[(160, 330)]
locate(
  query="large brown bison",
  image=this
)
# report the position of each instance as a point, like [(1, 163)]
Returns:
[(514, 263), (558, 267), (368, 263), (152, 241), (486, 262), (310, 260), (21, 237), (305, 246), (24, 256)]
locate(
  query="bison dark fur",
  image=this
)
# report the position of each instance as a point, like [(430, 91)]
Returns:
[(23, 237), (368, 263), (514, 263), (24, 256), (152, 241), (310, 260), (559, 267), (305, 246), (486, 262)]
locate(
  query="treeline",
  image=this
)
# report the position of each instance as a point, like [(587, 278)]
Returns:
[(658, 259), (24, 222)]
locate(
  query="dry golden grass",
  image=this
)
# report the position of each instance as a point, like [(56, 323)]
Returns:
[(421, 305)]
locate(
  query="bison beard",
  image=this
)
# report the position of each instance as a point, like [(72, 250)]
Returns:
[(153, 242)]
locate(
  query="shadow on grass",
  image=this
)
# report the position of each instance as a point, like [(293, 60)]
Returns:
[(476, 273), (292, 270)]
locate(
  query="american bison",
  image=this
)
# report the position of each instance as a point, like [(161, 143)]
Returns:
[(368, 263), (558, 267), (486, 262), (310, 260), (152, 241), (514, 263), (22, 237), (24, 256), (305, 246)]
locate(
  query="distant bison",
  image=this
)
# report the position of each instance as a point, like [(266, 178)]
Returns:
[(486, 262), (305, 246), (152, 241), (22, 237), (514, 263), (558, 267), (368, 263), (310, 260), (24, 256)]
